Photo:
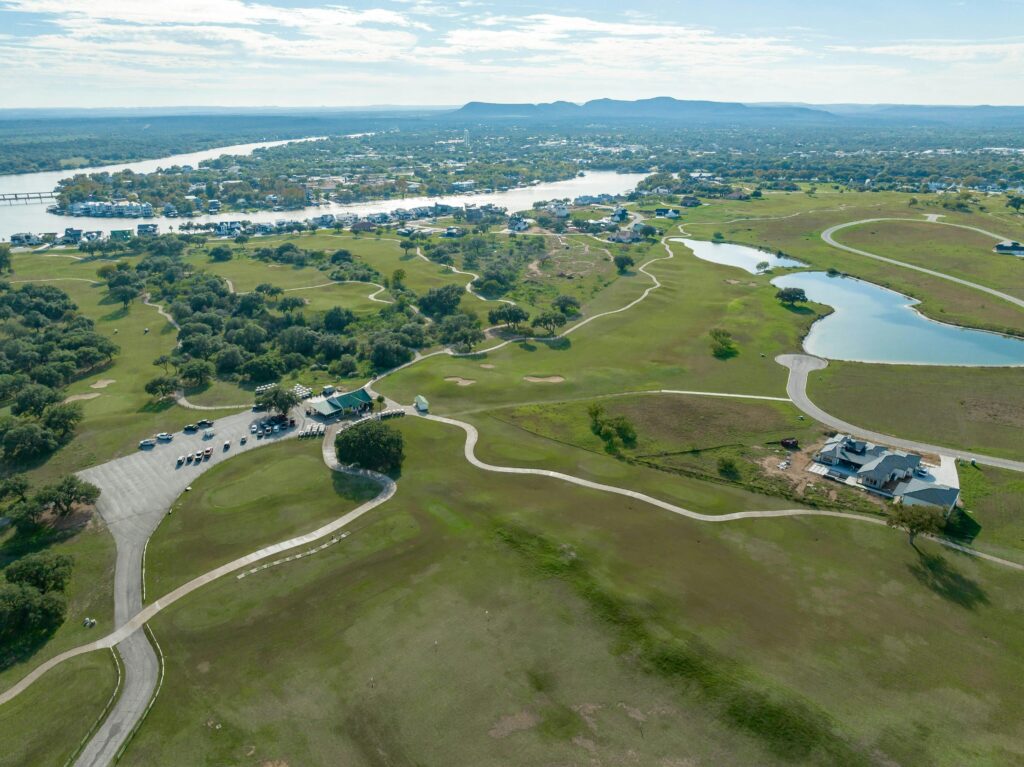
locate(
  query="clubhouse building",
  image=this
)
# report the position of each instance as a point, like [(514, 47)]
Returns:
[(340, 404)]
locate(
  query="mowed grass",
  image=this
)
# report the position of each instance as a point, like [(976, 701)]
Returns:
[(90, 592), (977, 409), (800, 236), (662, 342), (994, 499), (46, 723), (122, 412), (523, 620), (949, 249), (253, 500)]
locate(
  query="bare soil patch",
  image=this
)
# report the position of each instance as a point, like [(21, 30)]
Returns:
[(103, 383), (460, 381), (524, 720), (544, 379), (487, 366)]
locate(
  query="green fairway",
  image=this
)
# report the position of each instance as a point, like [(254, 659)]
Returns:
[(978, 409), (47, 723), (949, 249), (995, 501), (253, 500), (540, 621)]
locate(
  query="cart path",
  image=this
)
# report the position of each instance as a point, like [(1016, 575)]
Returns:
[(469, 285), (800, 365), (828, 237)]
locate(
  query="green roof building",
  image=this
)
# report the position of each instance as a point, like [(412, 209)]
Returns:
[(345, 403)]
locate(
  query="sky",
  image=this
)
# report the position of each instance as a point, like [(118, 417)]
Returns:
[(111, 53)]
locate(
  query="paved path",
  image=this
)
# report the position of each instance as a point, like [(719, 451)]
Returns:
[(138, 489), (827, 236), (801, 364), (470, 453)]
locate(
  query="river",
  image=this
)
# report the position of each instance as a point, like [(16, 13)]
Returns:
[(34, 218)]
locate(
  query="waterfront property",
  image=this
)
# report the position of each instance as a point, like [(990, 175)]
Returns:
[(894, 474)]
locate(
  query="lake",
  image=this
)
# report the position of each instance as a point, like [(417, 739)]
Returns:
[(873, 324), (34, 218), (741, 256)]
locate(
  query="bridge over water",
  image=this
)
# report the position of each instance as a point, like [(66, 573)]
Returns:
[(11, 198)]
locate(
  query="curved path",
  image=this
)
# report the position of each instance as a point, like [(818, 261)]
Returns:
[(469, 285), (800, 365), (827, 236)]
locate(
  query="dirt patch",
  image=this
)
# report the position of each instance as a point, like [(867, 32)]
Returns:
[(103, 383), (534, 269), (79, 397), (487, 366), (460, 381), (544, 379), (204, 667), (524, 720)]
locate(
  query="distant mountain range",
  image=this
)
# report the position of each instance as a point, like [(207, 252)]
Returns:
[(719, 112)]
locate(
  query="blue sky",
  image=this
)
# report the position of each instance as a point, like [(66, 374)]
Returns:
[(301, 52)]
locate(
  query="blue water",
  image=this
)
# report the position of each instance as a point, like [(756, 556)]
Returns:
[(874, 324), (742, 256)]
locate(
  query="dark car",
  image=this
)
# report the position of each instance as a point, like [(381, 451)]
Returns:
[(206, 423), (190, 428)]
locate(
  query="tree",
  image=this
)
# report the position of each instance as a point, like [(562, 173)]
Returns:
[(916, 520), (763, 266), (406, 246), (5, 257), (278, 400), (460, 330), (440, 302), (380, 401), (26, 612), (372, 445), (34, 399), (220, 253), (729, 469), (63, 418), (162, 386), (791, 296), (26, 440), (508, 314), (336, 319), (125, 294), (567, 305), (1014, 201), (550, 321), (623, 262), (14, 486), (291, 303), (197, 372), (163, 361), (45, 571), (722, 344), (398, 279), (66, 493)]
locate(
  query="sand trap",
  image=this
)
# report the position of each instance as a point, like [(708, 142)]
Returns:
[(545, 379), (487, 366), (103, 383), (79, 397), (460, 381)]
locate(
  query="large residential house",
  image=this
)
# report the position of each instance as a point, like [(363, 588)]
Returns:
[(1013, 247), (881, 470)]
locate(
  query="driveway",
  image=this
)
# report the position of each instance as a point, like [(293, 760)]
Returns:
[(800, 365), (137, 492)]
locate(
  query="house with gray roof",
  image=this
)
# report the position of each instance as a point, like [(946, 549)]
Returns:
[(891, 473)]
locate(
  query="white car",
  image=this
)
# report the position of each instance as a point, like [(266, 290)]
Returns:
[(164, 436), (147, 443), (253, 429)]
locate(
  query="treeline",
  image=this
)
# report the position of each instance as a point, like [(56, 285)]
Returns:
[(45, 344)]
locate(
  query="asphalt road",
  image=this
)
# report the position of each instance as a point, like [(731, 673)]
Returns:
[(137, 492), (801, 364), (827, 237)]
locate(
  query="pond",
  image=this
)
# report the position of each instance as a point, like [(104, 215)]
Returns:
[(741, 256), (873, 324)]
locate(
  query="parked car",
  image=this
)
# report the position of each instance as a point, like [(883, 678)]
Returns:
[(181, 460), (164, 436), (291, 422), (227, 444), (208, 434), (208, 452), (205, 423), (190, 428), (243, 440), (277, 427), (147, 443), (253, 428), (189, 458)]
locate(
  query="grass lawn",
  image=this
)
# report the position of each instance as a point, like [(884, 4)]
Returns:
[(661, 343), (46, 724), (255, 499), (90, 592), (995, 500), (977, 409), (118, 412), (522, 620), (960, 252)]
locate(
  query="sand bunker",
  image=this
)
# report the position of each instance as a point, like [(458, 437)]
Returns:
[(487, 366), (460, 381), (545, 379), (79, 397), (103, 383)]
